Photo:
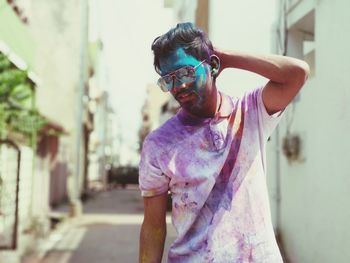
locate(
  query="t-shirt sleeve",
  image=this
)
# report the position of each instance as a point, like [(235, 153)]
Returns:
[(152, 181), (266, 122)]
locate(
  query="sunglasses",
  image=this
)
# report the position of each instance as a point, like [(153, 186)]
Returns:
[(184, 75)]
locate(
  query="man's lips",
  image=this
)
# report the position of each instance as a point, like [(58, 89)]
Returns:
[(184, 96)]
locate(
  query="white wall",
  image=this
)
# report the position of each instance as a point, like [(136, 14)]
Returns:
[(244, 26), (315, 192), (56, 28)]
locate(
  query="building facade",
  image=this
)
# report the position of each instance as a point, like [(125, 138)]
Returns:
[(308, 155)]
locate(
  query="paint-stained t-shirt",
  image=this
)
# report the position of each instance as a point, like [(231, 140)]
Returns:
[(215, 170)]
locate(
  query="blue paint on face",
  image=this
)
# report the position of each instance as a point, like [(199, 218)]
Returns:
[(201, 86), (176, 60)]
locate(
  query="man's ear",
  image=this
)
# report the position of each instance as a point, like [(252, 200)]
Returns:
[(215, 65)]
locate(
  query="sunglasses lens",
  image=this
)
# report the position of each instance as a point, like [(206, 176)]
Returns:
[(186, 74), (183, 75), (165, 84)]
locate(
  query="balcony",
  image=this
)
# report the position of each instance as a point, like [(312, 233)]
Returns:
[(297, 9)]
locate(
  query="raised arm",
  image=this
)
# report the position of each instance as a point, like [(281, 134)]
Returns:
[(287, 75), (153, 229)]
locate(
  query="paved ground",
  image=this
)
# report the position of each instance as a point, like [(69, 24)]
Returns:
[(107, 232)]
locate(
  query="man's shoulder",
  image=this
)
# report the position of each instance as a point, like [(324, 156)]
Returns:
[(250, 96), (165, 131)]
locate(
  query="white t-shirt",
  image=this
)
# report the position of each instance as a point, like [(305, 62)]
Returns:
[(215, 170)]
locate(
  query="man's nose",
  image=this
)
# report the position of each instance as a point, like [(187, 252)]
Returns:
[(178, 85)]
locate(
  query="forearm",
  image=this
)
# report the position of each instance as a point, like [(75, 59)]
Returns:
[(152, 240), (276, 68)]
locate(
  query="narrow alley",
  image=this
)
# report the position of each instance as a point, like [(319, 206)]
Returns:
[(107, 232)]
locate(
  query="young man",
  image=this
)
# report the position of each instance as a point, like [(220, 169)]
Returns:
[(211, 154)]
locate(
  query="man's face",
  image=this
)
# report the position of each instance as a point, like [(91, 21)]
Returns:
[(195, 96)]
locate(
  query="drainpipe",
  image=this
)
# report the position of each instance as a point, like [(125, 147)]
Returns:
[(34, 136), (281, 39), (76, 206), (278, 183), (278, 45)]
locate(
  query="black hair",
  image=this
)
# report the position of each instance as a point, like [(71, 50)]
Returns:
[(193, 40)]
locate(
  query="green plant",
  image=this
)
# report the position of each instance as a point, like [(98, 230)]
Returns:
[(17, 111)]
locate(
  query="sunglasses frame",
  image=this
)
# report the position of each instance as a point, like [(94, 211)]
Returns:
[(165, 87)]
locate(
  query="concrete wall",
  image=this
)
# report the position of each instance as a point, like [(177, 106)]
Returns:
[(56, 28), (241, 25), (315, 207)]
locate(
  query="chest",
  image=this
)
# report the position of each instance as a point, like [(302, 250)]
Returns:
[(197, 153)]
